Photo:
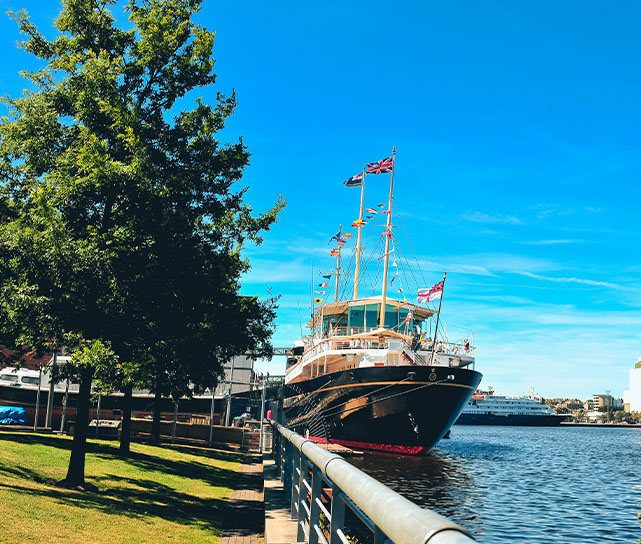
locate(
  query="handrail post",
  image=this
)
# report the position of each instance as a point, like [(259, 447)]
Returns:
[(287, 469), (302, 499), (379, 536), (295, 487), (338, 515), (314, 513)]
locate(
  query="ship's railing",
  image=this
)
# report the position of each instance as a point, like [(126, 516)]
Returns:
[(323, 485), (455, 348), (322, 346)]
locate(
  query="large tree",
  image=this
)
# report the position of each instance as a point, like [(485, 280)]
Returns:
[(121, 219)]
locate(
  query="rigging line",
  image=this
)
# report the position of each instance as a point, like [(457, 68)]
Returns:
[(347, 283), (408, 265), (371, 258), (362, 396), (378, 273), (407, 283), (367, 275), (408, 239), (327, 413), (366, 271), (404, 278), (454, 325)]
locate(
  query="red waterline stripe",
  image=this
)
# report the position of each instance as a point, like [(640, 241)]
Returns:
[(387, 448)]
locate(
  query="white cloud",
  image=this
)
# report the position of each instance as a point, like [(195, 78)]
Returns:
[(480, 217), (551, 242), (582, 281)]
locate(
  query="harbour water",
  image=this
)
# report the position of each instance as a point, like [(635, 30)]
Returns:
[(526, 484)]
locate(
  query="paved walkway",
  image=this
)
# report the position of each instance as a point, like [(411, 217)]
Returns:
[(245, 515), (279, 527)]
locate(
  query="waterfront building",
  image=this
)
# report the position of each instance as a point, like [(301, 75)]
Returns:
[(632, 397), (606, 402), (595, 417)]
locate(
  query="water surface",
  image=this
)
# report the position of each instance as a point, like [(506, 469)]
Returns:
[(527, 484)]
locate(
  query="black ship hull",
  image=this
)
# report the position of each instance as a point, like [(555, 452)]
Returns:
[(395, 409), (543, 420)]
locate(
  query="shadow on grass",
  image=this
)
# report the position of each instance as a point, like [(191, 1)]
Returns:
[(205, 452), (145, 461), (139, 498), (25, 473)]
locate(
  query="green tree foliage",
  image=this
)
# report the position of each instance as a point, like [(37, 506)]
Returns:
[(120, 218)]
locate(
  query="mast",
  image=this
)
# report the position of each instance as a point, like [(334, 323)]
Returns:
[(438, 315), (358, 239), (338, 273), (388, 235)]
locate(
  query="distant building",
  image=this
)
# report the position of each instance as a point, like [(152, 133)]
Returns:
[(606, 402), (595, 417), (602, 401), (634, 394), (243, 376)]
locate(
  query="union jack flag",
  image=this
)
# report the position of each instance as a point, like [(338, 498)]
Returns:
[(381, 167)]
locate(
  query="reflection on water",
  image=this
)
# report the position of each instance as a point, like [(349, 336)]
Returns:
[(535, 485)]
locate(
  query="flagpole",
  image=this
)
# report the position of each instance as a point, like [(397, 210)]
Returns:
[(388, 235), (311, 294), (357, 268), (338, 267), (438, 315)]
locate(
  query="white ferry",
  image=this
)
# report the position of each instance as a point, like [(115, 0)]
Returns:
[(485, 408)]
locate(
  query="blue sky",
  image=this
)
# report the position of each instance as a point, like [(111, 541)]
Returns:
[(518, 163)]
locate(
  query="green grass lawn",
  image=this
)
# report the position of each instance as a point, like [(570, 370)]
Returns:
[(159, 494)]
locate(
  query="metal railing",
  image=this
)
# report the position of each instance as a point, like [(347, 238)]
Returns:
[(311, 474), (324, 345)]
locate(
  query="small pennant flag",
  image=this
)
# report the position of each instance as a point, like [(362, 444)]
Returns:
[(326, 276), (354, 181), (401, 305), (386, 211), (433, 293), (335, 237), (372, 210), (359, 224), (393, 278), (323, 284), (318, 300), (383, 166), (381, 205), (319, 292), (348, 234), (334, 252), (409, 316)]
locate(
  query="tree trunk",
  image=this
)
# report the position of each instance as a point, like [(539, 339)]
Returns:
[(76, 471), (155, 425), (125, 430)]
